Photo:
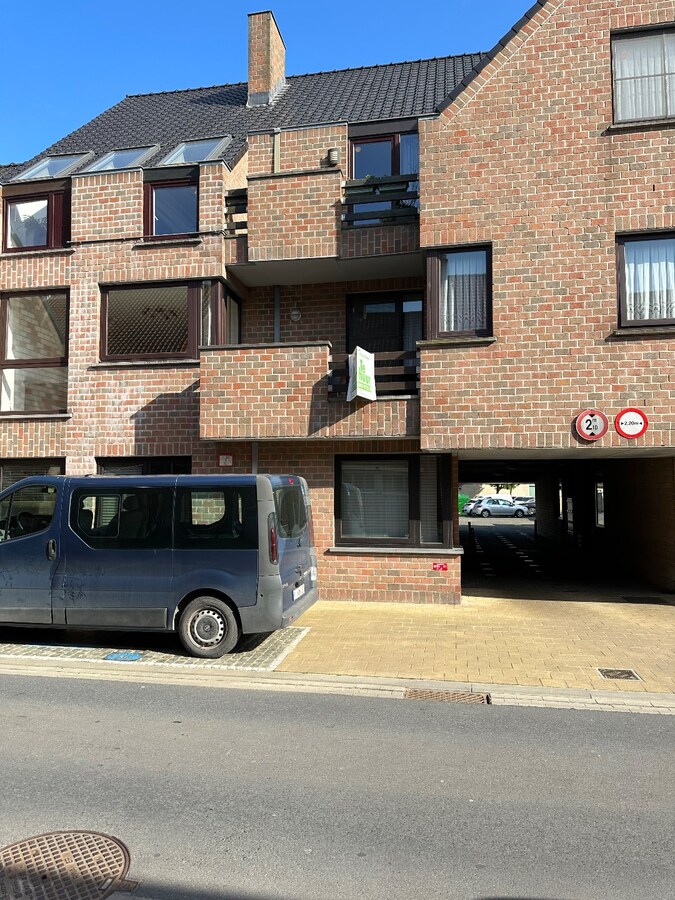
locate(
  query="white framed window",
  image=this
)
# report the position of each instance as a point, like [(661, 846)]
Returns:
[(196, 151), (121, 159), (52, 167), (644, 75)]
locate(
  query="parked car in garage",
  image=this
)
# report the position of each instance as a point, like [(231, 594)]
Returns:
[(469, 505), (529, 503), (495, 506)]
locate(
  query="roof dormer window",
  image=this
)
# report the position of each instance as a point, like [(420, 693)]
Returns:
[(121, 159), (52, 167), (196, 151)]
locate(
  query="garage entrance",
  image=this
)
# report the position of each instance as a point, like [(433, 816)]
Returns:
[(604, 528)]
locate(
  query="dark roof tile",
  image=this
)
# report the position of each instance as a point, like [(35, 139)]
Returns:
[(366, 94)]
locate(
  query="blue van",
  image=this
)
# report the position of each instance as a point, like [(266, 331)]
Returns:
[(211, 557)]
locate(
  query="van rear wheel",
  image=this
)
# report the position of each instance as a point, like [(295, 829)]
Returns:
[(208, 628)]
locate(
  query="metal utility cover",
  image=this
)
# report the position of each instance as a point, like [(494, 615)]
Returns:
[(446, 696), (64, 865), (619, 674)]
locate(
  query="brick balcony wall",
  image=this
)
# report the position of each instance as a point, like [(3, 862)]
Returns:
[(527, 161), (264, 392), (379, 240), (294, 212)]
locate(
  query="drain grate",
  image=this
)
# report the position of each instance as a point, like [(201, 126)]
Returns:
[(446, 696), (64, 865), (619, 674)]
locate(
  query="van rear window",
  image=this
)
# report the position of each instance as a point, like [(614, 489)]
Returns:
[(216, 518), (289, 503)]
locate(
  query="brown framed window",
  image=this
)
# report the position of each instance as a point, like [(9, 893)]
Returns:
[(392, 501), (171, 208), (33, 352), (36, 221), (643, 66), (385, 321), (165, 321), (460, 291), (380, 157), (646, 269)]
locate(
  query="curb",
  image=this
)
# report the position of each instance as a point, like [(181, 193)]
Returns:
[(384, 688)]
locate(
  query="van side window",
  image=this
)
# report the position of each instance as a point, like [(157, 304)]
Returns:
[(216, 519), (27, 511), (123, 519), (289, 503)]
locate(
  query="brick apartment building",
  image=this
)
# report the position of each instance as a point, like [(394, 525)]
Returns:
[(182, 279)]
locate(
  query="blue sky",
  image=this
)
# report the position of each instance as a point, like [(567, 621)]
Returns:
[(67, 65)]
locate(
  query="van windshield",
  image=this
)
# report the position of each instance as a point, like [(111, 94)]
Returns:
[(289, 503)]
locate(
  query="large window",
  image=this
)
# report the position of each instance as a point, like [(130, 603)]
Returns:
[(384, 322), (392, 501), (197, 151), (53, 167), (216, 518), (460, 292), (27, 511), (121, 159), (36, 221), (647, 280), (123, 518), (165, 321), (380, 157), (644, 75), (171, 208), (33, 347)]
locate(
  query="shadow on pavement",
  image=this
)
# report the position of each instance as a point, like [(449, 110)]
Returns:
[(503, 559)]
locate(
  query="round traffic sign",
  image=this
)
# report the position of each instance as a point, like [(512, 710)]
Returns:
[(591, 424), (631, 422)]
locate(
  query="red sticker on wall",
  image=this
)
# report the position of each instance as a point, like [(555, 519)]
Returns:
[(440, 567)]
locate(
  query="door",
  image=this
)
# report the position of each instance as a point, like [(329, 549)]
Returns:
[(118, 557), (294, 538), (29, 553)]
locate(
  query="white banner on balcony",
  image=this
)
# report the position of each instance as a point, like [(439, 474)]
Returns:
[(361, 375)]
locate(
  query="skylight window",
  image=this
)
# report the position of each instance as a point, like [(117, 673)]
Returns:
[(52, 167), (121, 159), (196, 151)]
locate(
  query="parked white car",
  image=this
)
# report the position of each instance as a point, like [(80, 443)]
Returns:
[(496, 506)]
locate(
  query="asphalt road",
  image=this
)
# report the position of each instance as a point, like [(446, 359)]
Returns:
[(223, 793)]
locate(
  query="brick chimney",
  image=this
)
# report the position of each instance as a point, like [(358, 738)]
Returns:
[(266, 59)]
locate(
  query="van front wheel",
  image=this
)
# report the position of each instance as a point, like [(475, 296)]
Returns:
[(208, 628)]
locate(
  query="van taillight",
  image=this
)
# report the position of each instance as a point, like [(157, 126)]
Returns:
[(272, 532)]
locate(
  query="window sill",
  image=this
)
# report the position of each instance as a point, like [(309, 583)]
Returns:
[(647, 331), (167, 242), (639, 125), (45, 251), (28, 415), (459, 341), (342, 397), (143, 363), (397, 551)]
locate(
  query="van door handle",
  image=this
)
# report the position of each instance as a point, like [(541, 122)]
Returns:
[(298, 570), (51, 549)]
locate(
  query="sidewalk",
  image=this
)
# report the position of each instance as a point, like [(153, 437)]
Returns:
[(488, 640)]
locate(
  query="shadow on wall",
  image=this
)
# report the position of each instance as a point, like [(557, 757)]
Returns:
[(169, 424)]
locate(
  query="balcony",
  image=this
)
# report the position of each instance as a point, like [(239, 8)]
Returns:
[(310, 227), (396, 374), (298, 392), (390, 200)]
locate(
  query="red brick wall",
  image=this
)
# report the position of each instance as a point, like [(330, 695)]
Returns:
[(524, 160), (379, 240), (107, 206), (392, 577)]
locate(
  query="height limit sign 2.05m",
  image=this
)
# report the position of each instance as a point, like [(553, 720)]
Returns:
[(591, 424)]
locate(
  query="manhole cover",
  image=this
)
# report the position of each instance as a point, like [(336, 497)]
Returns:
[(446, 696), (619, 674), (64, 865)]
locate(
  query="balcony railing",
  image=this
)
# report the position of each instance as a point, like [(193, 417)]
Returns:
[(395, 373), (236, 209), (384, 200)]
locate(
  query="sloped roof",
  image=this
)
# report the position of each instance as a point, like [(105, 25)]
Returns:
[(366, 94)]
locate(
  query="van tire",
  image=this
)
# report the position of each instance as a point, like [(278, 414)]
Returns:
[(208, 628)]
